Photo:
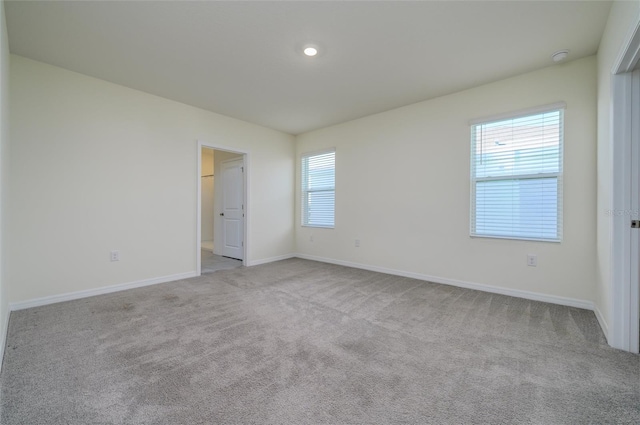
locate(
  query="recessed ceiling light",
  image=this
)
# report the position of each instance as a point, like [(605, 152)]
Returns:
[(560, 55), (310, 51)]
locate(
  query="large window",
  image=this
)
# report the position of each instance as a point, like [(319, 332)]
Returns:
[(319, 189), (516, 176)]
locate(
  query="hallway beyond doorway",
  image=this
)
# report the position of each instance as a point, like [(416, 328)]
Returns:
[(211, 262)]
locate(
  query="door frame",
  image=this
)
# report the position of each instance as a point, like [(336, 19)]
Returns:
[(624, 328), (246, 154)]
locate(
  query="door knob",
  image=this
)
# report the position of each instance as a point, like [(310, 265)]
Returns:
[(222, 214)]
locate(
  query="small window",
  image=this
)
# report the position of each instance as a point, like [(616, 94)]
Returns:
[(516, 176), (319, 189)]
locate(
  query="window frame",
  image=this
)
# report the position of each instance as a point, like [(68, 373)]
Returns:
[(559, 175), (304, 200)]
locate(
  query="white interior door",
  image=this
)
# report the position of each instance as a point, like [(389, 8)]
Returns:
[(233, 209)]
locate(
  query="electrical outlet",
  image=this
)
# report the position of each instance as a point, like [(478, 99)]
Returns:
[(115, 255), (357, 243), (532, 260)]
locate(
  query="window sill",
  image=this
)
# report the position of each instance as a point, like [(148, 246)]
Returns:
[(513, 238)]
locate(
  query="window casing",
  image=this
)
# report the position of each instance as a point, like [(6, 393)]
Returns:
[(516, 175), (319, 189)]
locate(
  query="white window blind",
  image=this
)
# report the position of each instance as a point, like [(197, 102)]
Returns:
[(319, 189), (516, 176)]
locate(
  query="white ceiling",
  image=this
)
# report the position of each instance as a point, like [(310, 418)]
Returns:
[(243, 59)]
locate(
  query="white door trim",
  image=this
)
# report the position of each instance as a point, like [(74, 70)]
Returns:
[(629, 55), (625, 309), (246, 155)]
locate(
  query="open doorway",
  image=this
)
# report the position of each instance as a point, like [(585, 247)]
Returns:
[(222, 209), (624, 328), (634, 285)]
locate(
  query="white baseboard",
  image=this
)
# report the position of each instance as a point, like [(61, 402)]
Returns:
[(3, 335), (518, 293), (270, 260), (37, 302), (601, 321)]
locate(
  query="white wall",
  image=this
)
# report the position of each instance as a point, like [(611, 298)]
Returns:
[(4, 178), (206, 199), (218, 158), (83, 182), (622, 18), (402, 181)]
